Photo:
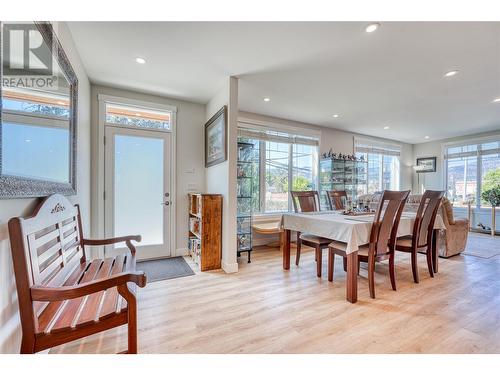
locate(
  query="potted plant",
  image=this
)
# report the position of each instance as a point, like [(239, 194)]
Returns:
[(492, 196)]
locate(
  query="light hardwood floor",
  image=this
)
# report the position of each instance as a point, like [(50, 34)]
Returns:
[(264, 309)]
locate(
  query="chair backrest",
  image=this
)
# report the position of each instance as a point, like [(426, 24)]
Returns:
[(386, 221), (45, 247), (426, 216), (305, 201), (336, 199)]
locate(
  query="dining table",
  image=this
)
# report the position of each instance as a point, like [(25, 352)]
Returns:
[(354, 230)]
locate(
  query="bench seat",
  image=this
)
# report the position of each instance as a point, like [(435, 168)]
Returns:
[(64, 315)]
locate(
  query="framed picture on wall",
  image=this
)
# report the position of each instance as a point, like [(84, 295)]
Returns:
[(426, 165), (216, 138)]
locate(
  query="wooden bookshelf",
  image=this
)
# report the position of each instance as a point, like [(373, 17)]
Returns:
[(205, 230)]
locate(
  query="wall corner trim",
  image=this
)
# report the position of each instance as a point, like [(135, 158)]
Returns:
[(229, 267)]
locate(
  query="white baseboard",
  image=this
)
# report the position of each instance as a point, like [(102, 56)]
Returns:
[(229, 267), (181, 252)]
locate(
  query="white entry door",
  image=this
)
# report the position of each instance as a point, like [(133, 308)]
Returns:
[(137, 188)]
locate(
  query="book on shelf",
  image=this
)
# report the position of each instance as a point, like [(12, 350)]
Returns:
[(194, 225)]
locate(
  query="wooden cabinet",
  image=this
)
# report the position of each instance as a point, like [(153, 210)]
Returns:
[(205, 230)]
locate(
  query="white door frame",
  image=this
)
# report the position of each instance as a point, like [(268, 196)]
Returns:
[(143, 251), (98, 214)]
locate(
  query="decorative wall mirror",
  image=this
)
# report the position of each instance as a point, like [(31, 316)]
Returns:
[(38, 112)]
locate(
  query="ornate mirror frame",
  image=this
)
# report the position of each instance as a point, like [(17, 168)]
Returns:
[(21, 187)]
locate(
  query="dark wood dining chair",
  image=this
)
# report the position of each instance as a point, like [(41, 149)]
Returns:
[(308, 201), (382, 238), (336, 199), (423, 229)]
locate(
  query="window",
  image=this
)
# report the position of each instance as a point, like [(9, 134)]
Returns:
[(130, 116), (383, 165), (471, 169), (277, 176), (282, 160), (36, 123)]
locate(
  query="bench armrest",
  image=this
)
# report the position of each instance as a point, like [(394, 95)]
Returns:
[(42, 293), (109, 241)]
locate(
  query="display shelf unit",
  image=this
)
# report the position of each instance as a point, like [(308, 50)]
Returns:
[(342, 174), (205, 230), (244, 198)]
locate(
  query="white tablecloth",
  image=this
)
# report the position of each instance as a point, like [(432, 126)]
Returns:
[(353, 230)]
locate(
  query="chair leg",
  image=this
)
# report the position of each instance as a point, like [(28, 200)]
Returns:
[(371, 275), (299, 245), (27, 345), (344, 260), (319, 261), (132, 329), (430, 264), (391, 271), (331, 264), (132, 318), (414, 266)]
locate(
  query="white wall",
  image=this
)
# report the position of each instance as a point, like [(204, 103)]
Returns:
[(10, 330), (221, 178), (190, 165), (431, 180)]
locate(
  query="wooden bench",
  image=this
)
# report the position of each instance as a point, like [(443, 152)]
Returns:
[(270, 228), (63, 295)]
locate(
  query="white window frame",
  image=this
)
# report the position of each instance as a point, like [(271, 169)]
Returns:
[(479, 161), (380, 144), (29, 118), (98, 215), (261, 125)]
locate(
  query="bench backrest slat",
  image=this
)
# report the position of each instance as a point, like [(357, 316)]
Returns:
[(45, 247)]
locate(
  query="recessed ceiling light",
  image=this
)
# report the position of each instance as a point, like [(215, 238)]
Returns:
[(140, 60), (426, 137), (451, 73), (372, 27), (27, 140), (336, 115), (497, 100), (266, 99), (386, 127)]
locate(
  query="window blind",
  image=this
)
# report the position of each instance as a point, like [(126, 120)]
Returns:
[(376, 147), (270, 135), (471, 150)]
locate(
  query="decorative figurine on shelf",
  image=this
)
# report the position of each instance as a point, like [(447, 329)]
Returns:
[(340, 156)]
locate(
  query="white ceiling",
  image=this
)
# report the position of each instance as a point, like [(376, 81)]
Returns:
[(310, 71)]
